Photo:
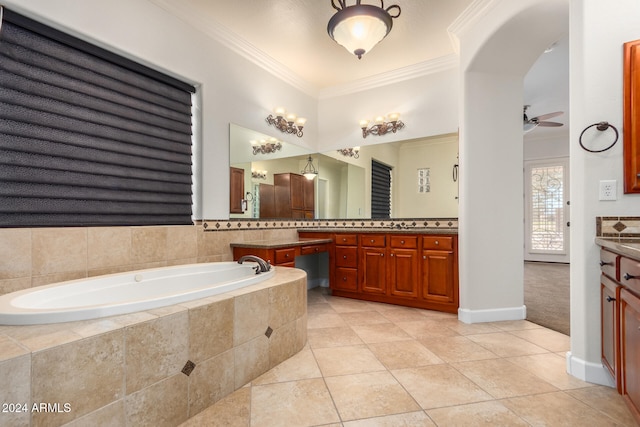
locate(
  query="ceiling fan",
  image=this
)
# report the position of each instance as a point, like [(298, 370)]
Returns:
[(530, 124)]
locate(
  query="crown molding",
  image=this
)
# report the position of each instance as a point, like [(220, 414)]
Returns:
[(227, 38), (433, 66), (476, 10)]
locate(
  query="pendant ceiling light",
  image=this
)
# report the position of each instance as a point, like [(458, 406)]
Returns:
[(362, 26)]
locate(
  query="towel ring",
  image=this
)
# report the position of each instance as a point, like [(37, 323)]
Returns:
[(602, 126)]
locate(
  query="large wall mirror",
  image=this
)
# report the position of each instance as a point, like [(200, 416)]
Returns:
[(424, 175)]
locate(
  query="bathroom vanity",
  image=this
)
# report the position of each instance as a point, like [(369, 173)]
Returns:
[(620, 310)]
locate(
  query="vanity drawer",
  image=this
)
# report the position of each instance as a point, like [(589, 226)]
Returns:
[(346, 256), (409, 242), (285, 255), (630, 274), (313, 249), (439, 243), (346, 239), (609, 264), (346, 279), (373, 240)]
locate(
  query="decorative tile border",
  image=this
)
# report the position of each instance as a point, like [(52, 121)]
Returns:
[(618, 227), (271, 224)]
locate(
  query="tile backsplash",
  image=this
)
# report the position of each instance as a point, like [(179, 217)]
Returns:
[(618, 227)]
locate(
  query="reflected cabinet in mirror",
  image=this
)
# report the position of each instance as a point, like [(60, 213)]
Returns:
[(632, 117), (423, 182)]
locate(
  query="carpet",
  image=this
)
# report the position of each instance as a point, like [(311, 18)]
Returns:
[(546, 295)]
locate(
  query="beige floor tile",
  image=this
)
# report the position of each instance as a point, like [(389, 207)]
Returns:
[(436, 386), (347, 360), (514, 325), (502, 379), (403, 314), (233, 410), (491, 413), (381, 332), (348, 305), (363, 318), (457, 349), (468, 328), (505, 344), (556, 409), (404, 354), (316, 297), (606, 400), (325, 320), (550, 367), (300, 366), (332, 337), (409, 419), (427, 328), (369, 395), (294, 403), (545, 338)]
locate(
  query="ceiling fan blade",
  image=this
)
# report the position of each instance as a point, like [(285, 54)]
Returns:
[(549, 124), (548, 115)]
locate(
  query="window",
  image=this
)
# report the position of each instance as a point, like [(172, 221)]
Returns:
[(380, 190), (88, 137)]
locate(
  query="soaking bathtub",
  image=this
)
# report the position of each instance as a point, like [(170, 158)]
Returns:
[(124, 293)]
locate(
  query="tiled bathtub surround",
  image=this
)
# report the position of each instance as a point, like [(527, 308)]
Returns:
[(127, 370), (618, 227)]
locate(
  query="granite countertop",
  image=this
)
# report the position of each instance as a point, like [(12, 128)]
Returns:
[(274, 244), (394, 230), (630, 247)]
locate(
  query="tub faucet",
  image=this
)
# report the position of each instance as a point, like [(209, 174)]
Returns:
[(262, 266)]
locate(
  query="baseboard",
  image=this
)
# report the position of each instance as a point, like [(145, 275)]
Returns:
[(590, 372), (492, 315)]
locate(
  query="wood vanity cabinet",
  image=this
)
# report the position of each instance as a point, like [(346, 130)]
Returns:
[(415, 270), (294, 196), (620, 330), (236, 190)]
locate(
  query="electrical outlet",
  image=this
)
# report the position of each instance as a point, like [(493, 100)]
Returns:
[(608, 190)]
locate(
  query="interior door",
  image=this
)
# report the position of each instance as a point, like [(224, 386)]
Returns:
[(547, 210)]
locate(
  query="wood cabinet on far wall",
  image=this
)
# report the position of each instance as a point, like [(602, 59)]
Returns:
[(294, 196), (236, 190), (413, 269)]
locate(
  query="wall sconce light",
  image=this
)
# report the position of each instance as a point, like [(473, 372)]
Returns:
[(350, 152), (288, 123), (381, 127), (266, 147), (259, 174), (309, 170)]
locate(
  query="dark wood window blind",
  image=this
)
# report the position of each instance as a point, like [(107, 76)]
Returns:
[(380, 190), (88, 137)]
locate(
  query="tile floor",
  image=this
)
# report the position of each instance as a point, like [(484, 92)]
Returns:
[(370, 364)]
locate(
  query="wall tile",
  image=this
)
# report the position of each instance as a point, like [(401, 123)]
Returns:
[(251, 317), (283, 344), (182, 242), (210, 329), (108, 247), (59, 250), (15, 253), (155, 350), (148, 245), (13, 285), (88, 374), (163, 404), (15, 374), (210, 381), (251, 360), (112, 415), (287, 302)]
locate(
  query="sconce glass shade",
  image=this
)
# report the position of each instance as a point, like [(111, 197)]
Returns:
[(360, 27)]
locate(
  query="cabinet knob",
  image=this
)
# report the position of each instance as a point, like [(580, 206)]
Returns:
[(344, 279), (372, 241), (609, 299), (402, 242), (391, 255), (286, 255), (437, 243), (602, 263), (344, 256), (344, 240), (628, 276), (424, 257), (381, 254), (317, 249)]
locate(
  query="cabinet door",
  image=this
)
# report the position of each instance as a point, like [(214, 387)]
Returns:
[(437, 281), (610, 325), (297, 192), (630, 348), (403, 272), (236, 190), (373, 271), (309, 194), (346, 279)]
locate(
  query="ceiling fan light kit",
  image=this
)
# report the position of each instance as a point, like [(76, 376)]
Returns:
[(530, 124), (361, 26)]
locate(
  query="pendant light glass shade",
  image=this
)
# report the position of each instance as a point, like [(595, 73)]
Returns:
[(360, 27)]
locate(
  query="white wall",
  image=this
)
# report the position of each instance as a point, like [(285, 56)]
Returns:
[(598, 31)]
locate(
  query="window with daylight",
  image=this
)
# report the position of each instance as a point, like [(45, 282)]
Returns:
[(547, 208), (88, 137), (380, 190)]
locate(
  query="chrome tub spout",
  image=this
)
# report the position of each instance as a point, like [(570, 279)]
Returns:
[(263, 266)]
